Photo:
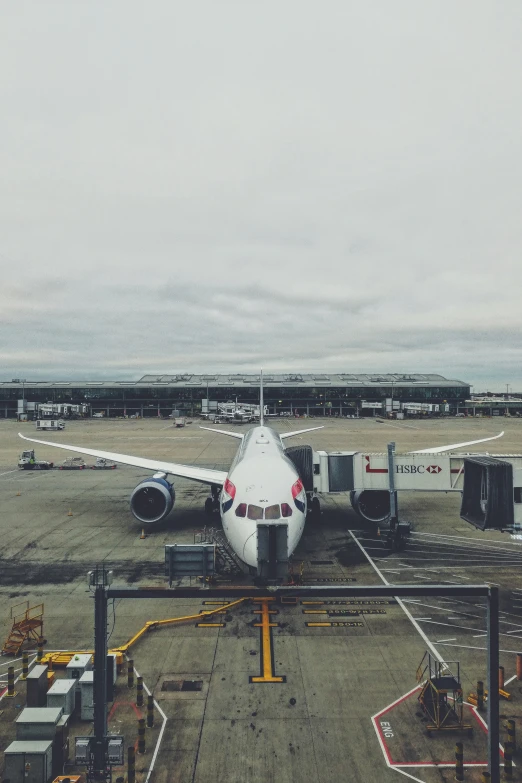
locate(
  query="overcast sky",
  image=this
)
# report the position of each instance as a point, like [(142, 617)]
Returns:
[(229, 185)]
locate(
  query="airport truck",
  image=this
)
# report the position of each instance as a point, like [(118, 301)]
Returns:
[(50, 424), (27, 461)]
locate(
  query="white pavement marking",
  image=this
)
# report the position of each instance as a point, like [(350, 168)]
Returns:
[(10, 662), (470, 647), (453, 568), (469, 542), (160, 735), (514, 677), (399, 601), (9, 471), (451, 639), (407, 774), (465, 628), (380, 740)]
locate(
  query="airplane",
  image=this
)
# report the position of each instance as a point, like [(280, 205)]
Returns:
[(261, 499), (239, 412), (262, 489)]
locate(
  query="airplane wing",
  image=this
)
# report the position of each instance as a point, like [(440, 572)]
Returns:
[(204, 475), (285, 435), (440, 449), (224, 432)]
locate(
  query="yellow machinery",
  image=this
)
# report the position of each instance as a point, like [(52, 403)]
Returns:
[(441, 695), (62, 658), (27, 625)]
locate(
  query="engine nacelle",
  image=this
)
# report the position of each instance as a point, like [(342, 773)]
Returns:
[(372, 504), (152, 500)]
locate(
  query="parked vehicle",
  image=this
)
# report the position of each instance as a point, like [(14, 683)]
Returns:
[(50, 424), (73, 463), (103, 464), (28, 461)]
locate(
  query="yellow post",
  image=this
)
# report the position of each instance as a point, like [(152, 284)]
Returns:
[(25, 664), (10, 682), (131, 765), (139, 692), (480, 695), (141, 736), (459, 761)]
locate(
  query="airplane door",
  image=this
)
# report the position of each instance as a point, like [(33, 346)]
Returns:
[(272, 551)]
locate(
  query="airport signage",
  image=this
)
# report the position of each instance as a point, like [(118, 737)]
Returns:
[(412, 471)]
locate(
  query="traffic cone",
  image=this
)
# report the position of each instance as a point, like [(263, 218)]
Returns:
[(142, 533), (70, 513)]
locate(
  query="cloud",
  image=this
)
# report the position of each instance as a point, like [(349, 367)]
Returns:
[(227, 186)]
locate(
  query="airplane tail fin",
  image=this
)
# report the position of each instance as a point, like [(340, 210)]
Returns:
[(261, 401)]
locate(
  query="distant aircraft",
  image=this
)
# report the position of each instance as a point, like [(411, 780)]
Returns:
[(262, 499), (237, 412)]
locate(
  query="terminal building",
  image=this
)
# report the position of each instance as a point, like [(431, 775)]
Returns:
[(311, 394)]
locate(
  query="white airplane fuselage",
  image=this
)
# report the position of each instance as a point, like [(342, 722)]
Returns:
[(263, 487)]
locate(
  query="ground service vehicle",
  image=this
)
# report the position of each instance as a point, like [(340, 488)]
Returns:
[(27, 461)]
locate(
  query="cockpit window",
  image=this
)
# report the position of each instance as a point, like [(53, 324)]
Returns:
[(258, 512)]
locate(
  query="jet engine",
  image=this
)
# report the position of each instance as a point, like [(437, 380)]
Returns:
[(371, 504), (152, 500)]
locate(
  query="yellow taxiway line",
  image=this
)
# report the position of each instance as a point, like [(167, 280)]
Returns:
[(266, 643)]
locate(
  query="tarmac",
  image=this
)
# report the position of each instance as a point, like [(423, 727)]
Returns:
[(346, 708)]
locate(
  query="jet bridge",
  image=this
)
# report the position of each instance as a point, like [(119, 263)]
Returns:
[(491, 487)]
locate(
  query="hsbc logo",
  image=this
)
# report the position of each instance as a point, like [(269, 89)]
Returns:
[(418, 469), (404, 469)]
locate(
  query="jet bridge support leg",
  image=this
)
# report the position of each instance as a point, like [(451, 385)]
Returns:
[(397, 531)]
